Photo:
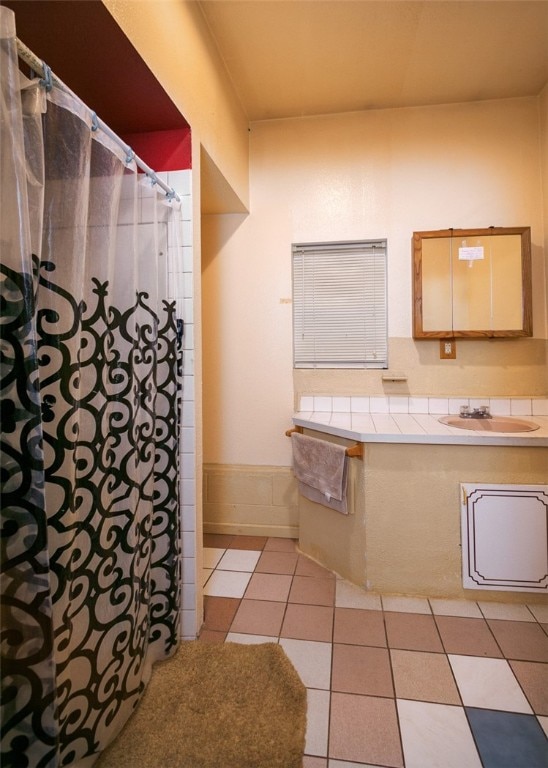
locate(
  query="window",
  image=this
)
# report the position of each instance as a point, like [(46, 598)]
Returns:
[(339, 305)]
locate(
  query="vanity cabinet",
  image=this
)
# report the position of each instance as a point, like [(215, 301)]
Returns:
[(405, 538), (504, 537), (472, 283)]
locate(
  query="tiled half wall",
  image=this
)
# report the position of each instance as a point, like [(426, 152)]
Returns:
[(250, 500)]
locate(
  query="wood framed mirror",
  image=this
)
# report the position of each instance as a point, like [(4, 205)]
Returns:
[(472, 283)]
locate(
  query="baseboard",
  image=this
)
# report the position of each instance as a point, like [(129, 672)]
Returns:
[(243, 529)]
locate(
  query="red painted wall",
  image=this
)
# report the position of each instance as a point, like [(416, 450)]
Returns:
[(162, 150)]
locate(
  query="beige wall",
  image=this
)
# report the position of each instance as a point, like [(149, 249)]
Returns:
[(174, 41), (371, 174)]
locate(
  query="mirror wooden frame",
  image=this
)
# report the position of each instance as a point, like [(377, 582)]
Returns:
[(526, 328)]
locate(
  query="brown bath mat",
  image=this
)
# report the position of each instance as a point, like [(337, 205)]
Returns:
[(216, 706)]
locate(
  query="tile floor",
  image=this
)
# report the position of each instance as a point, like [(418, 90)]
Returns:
[(394, 682)]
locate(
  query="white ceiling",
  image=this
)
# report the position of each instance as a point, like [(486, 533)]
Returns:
[(289, 58)]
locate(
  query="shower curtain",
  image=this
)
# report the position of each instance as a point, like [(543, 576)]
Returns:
[(90, 364)]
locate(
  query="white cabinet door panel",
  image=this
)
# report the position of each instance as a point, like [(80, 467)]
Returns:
[(505, 537)]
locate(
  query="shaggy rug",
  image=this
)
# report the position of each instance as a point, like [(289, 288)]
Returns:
[(216, 706)]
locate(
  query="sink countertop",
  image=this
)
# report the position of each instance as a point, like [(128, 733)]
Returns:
[(414, 428)]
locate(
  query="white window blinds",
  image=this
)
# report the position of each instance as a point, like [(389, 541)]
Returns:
[(339, 305)]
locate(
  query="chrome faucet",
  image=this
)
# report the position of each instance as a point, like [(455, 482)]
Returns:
[(482, 412)]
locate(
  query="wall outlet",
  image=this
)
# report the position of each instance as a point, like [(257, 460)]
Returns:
[(448, 349)]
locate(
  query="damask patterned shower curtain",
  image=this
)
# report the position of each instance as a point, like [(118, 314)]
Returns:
[(89, 365)]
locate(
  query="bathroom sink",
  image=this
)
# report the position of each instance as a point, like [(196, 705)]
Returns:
[(494, 424)]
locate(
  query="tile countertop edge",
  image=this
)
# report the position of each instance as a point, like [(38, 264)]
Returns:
[(537, 439)]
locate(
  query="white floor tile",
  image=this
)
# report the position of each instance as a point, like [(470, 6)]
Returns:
[(227, 584), (540, 612), (317, 722), (239, 560), (239, 637), (436, 736), (311, 659), (212, 555), (463, 608), (488, 683), (406, 604), (351, 596), (508, 611), (543, 724)]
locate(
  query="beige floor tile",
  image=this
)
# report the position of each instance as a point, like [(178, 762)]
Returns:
[(406, 604), (351, 596), (314, 762), (355, 626), (308, 622), (258, 617), (217, 540), (268, 586), (466, 608), (520, 640), (277, 562), (423, 677), (470, 637), (364, 729), (533, 678), (511, 611), (412, 632), (361, 669), (248, 542), (275, 544), (312, 591), (540, 612), (219, 612)]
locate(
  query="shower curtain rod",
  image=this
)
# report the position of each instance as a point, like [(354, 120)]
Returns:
[(41, 68)]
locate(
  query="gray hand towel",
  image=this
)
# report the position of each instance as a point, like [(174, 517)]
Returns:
[(321, 469)]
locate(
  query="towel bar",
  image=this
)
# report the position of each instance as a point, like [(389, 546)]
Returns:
[(354, 451)]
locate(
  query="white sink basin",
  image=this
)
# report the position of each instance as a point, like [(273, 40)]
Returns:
[(494, 424)]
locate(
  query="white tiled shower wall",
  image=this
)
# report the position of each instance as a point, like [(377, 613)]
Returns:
[(180, 287)]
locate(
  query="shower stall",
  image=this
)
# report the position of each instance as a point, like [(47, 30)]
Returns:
[(91, 565)]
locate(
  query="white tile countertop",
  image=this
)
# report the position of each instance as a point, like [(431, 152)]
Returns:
[(397, 419)]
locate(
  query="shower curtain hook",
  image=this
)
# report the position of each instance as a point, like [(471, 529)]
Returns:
[(130, 155), (94, 122), (46, 81)]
